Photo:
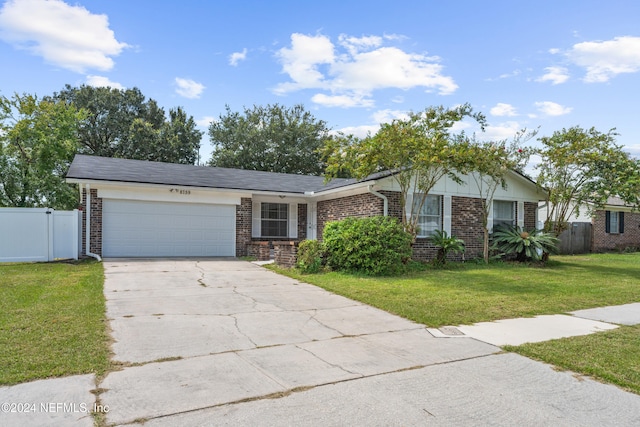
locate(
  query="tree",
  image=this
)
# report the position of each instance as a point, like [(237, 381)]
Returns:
[(123, 123), (419, 150), (489, 163), (37, 143), (272, 138), (581, 169)]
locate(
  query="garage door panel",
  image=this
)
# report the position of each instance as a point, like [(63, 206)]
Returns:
[(141, 229)]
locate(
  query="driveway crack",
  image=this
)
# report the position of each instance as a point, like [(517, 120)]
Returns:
[(241, 332)]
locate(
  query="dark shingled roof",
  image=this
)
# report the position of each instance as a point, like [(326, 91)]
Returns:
[(140, 171)]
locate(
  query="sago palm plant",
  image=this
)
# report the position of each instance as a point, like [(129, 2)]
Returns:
[(524, 244), (446, 244)]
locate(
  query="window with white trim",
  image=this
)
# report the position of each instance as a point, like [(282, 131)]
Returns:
[(504, 213), (274, 219), (429, 216)]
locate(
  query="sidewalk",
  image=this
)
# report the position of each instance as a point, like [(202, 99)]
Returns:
[(545, 328)]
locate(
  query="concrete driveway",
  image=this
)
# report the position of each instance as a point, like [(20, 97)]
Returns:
[(226, 342)]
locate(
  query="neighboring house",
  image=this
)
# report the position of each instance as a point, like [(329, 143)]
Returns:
[(147, 209), (616, 227)]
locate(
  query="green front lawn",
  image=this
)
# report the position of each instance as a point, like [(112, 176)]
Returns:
[(52, 321), (610, 356), (470, 293)]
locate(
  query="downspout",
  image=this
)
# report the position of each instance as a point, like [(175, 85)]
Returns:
[(385, 208), (87, 232)]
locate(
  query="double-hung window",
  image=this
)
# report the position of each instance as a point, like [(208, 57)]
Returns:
[(614, 222), (429, 215), (504, 214), (274, 219)]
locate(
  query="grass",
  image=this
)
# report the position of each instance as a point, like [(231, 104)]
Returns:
[(52, 321), (470, 293), (610, 356)]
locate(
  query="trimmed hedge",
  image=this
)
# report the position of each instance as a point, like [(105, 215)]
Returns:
[(375, 245)]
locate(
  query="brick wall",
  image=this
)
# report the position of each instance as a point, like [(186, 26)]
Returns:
[(603, 241), (285, 253), (360, 205), (259, 250), (95, 233), (243, 226)]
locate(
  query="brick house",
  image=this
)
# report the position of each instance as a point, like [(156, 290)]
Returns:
[(616, 227), (146, 209)]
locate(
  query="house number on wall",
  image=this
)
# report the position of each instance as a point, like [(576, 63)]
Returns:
[(179, 191)]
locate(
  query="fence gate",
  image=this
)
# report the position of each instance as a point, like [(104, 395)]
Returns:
[(38, 234), (576, 239)]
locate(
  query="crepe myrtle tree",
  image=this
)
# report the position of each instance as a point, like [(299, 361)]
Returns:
[(489, 163), (580, 169), (419, 150)]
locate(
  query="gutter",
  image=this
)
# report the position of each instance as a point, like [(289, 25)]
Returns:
[(385, 201), (87, 232)]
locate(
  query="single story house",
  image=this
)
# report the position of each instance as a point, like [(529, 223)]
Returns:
[(615, 227), (134, 208)]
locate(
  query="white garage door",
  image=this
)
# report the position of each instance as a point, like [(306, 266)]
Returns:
[(159, 229)]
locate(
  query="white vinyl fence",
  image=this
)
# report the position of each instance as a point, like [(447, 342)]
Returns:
[(39, 234)]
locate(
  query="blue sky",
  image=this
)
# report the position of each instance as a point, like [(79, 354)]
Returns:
[(354, 64)]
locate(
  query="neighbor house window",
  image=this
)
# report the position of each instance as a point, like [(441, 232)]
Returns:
[(274, 219), (614, 222), (504, 214), (429, 216)]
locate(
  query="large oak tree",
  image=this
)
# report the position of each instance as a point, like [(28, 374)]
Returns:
[(124, 123), (270, 138)]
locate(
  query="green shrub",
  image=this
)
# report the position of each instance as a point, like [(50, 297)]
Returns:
[(310, 253), (524, 244), (374, 246), (446, 244)]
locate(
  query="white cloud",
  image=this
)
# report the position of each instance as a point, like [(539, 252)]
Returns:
[(387, 116), (356, 67), (189, 88), (500, 131), (604, 60), (554, 51), (236, 57), (102, 81), (552, 109), (205, 121), (555, 75), (359, 131), (501, 110), (67, 36), (344, 101), (379, 117)]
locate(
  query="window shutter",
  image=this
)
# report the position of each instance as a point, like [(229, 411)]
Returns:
[(607, 221), (446, 217), (520, 212), (256, 217), (620, 222), (293, 220)]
